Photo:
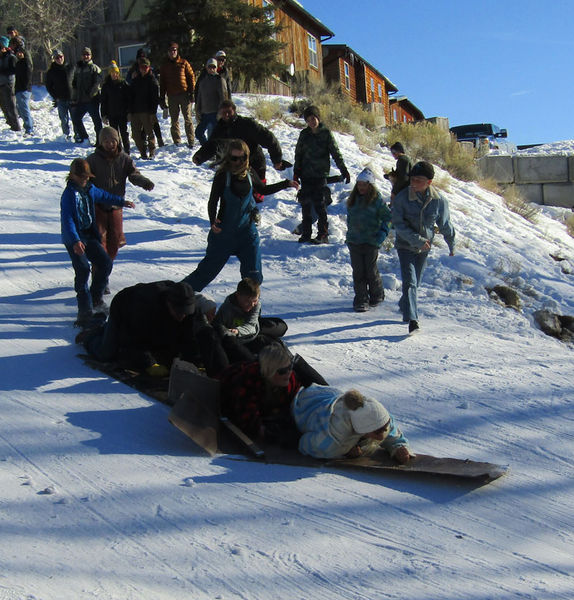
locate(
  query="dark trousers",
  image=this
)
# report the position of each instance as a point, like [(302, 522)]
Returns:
[(78, 112), (366, 277), (8, 104), (314, 196), (412, 268), (120, 124), (95, 254)]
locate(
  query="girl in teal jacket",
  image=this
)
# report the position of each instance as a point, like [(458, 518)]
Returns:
[(368, 222)]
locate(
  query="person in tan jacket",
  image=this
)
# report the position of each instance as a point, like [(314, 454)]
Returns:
[(177, 81)]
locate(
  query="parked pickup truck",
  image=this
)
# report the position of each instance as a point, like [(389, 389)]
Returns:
[(485, 137)]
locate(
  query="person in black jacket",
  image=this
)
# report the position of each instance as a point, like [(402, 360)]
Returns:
[(144, 100), (7, 78), (402, 169), (59, 86), (150, 324), (23, 86), (133, 73), (232, 126), (114, 106)]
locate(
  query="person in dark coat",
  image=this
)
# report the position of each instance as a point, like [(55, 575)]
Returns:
[(81, 237), (151, 324), (86, 84), (233, 217), (232, 126), (402, 169), (114, 107), (133, 73), (7, 80), (23, 86), (144, 100), (315, 147), (59, 86)]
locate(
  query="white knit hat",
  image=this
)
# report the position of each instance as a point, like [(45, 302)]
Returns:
[(366, 175), (369, 417)]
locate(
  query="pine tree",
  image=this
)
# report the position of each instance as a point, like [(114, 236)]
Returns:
[(202, 27)]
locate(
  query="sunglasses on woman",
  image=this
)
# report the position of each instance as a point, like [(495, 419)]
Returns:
[(284, 370)]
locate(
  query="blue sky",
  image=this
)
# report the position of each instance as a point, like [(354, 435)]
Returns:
[(509, 62)]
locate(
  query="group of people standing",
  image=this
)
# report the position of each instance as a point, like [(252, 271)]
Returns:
[(16, 81)]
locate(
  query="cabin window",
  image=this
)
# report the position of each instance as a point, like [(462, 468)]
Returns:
[(347, 76), (395, 115), (380, 90), (313, 58), (127, 56)]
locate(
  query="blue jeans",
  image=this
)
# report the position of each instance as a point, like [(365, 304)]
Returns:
[(206, 126), (63, 107), (102, 263), (242, 242), (23, 106), (412, 268), (78, 112)]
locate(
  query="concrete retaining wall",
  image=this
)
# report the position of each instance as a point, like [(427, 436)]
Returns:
[(542, 179)]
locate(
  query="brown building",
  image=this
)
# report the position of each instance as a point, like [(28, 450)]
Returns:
[(303, 36), (357, 78), (404, 111), (117, 33)]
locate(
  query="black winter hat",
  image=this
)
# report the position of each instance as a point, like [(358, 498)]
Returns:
[(311, 111), (398, 147), (422, 169), (182, 298)]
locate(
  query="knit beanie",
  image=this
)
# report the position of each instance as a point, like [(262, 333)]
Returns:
[(211, 62), (87, 50), (182, 298), (108, 133), (366, 414), (397, 147), (57, 52), (366, 175), (311, 111), (422, 169), (113, 67)]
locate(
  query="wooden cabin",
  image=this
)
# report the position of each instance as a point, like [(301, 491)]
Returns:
[(303, 35), (357, 78), (404, 111), (118, 32)]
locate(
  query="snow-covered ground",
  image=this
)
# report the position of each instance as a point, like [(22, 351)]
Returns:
[(100, 497)]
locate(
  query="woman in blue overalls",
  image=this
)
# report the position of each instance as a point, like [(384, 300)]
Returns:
[(234, 225)]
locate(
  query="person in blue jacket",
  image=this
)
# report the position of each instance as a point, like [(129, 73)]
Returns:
[(334, 424), (233, 218), (82, 238), (415, 212), (368, 221)]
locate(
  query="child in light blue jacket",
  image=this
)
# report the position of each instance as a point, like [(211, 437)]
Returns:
[(334, 425)]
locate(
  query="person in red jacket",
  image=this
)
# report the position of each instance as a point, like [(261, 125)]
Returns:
[(177, 81)]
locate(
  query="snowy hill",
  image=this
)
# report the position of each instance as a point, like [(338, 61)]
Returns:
[(102, 498)]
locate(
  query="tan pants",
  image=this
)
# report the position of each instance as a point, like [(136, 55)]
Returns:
[(176, 103), (145, 143)]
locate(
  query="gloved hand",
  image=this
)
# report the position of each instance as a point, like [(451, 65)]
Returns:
[(165, 113), (55, 103), (346, 176), (157, 370)]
